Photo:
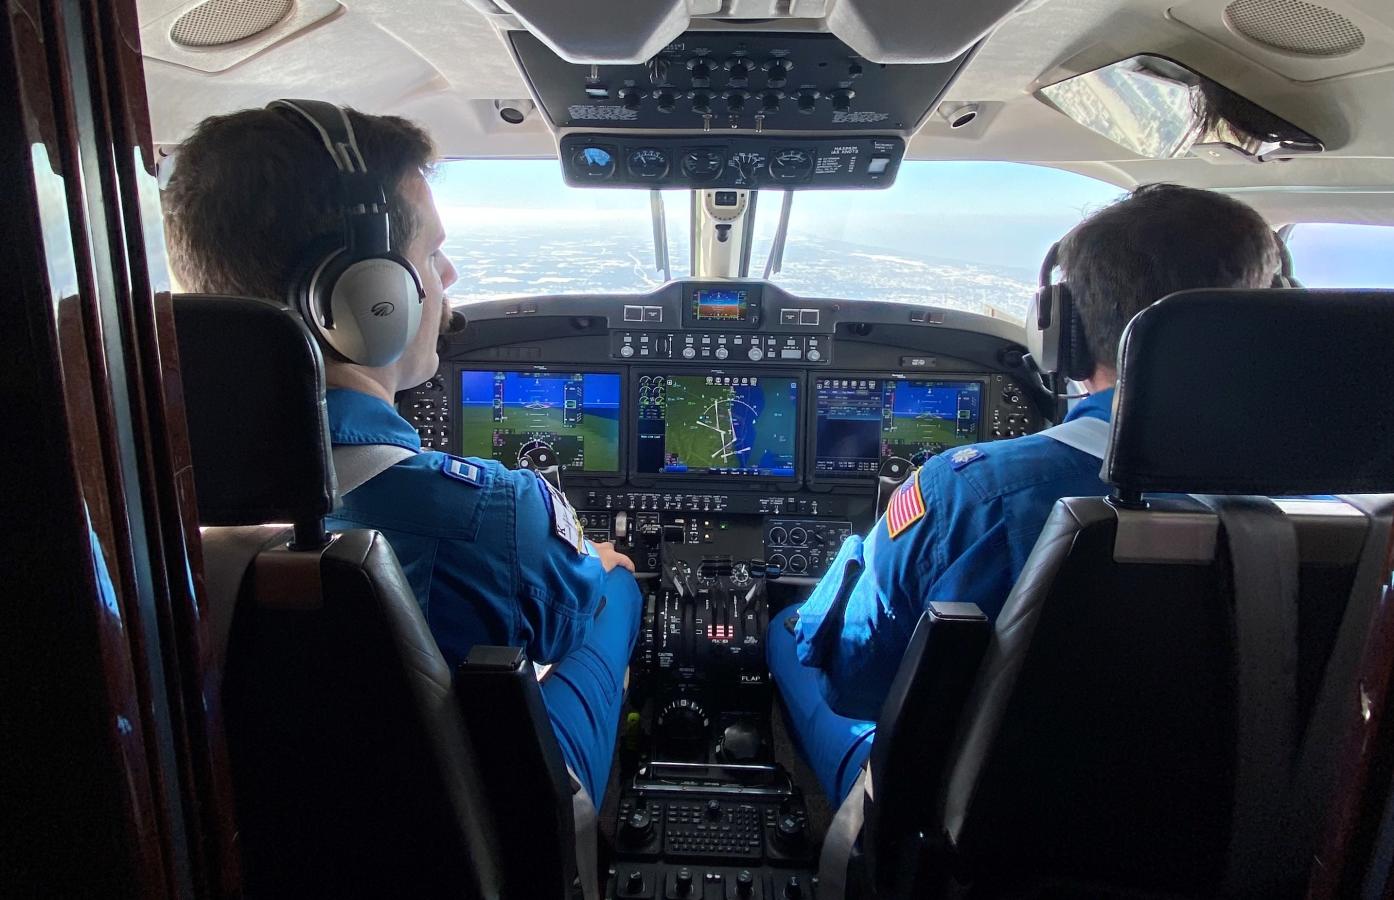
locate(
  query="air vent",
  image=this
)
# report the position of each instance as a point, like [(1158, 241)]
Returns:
[(216, 23), (1291, 26)]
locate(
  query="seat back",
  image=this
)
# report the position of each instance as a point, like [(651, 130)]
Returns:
[(352, 768), (1114, 740)]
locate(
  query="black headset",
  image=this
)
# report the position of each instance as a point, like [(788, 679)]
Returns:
[(1054, 334), (363, 300)]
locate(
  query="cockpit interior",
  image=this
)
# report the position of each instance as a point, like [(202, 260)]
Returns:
[(728, 276)]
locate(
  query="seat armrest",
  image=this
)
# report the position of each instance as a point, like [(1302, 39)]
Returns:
[(914, 736), (524, 774)]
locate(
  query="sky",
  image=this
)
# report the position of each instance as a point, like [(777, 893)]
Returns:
[(992, 214)]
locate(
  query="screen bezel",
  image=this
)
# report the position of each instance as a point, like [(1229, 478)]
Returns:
[(787, 482), (754, 308), (811, 450), (625, 412)]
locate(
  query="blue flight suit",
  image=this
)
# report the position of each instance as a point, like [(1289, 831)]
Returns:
[(489, 563), (982, 508)]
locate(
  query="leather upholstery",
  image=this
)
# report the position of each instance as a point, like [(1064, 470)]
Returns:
[(1267, 392), (353, 771), (253, 383)]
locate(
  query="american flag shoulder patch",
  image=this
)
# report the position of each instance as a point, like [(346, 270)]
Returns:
[(906, 506)]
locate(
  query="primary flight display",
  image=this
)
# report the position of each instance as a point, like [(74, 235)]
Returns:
[(862, 421), (503, 414), (740, 425)]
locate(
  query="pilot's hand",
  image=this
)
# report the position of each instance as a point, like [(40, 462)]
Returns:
[(610, 557)]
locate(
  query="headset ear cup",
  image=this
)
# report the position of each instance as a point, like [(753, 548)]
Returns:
[(309, 285), (1076, 362), (376, 310)]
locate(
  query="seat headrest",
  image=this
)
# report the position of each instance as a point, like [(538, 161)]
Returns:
[(253, 383), (1266, 392)]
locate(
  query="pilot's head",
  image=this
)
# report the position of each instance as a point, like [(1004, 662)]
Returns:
[(254, 193), (1159, 239)]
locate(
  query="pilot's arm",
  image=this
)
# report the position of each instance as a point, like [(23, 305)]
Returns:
[(560, 576), (944, 542)]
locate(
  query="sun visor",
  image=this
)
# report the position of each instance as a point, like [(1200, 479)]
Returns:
[(930, 31)]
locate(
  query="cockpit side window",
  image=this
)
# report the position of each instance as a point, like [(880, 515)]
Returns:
[(1338, 255)]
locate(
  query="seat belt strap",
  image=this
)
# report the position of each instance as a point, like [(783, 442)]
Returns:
[(357, 464), (1086, 434), (1263, 555), (587, 828), (842, 836)]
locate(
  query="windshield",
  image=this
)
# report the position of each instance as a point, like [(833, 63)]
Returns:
[(965, 235)]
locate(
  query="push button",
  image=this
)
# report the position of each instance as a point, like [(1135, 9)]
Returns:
[(808, 317), (634, 314), (789, 316)]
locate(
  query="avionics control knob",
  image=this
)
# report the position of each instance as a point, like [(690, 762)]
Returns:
[(813, 356), (778, 70), (808, 101), (626, 351), (682, 882), (689, 352), (745, 883), (793, 888), (637, 829), (756, 354), (722, 353), (842, 100), (798, 536), (713, 811), (635, 882), (701, 102), (797, 564), (790, 833), (667, 100)]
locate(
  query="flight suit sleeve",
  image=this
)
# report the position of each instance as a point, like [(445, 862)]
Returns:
[(856, 625), (560, 577)]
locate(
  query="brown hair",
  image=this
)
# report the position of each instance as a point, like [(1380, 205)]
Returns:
[(1159, 239), (253, 192)]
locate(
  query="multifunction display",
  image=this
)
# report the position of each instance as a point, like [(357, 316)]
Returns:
[(503, 414), (729, 425), (720, 305), (862, 421)]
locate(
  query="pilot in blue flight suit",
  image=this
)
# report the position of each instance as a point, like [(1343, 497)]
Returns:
[(962, 526), (494, 556)]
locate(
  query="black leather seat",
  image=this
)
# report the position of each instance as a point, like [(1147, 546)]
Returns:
[(1158, 709), (352, 768)]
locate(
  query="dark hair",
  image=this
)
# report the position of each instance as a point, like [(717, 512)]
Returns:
[(253, 191), (1159, 239)]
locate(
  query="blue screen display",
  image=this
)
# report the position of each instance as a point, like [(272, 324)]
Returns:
[(863, 421), (503, 414), (743, 425)]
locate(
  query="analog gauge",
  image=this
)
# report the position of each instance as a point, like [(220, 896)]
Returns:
[(791, 165), (746, 166), (593, 163), (648, 162), (703, 165)]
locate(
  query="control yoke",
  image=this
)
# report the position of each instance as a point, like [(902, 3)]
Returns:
[(892, 474), (543, 461)]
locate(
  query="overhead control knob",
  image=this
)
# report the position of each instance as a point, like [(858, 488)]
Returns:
[(778, 70), (701, 102), (700, 69), (667, 100), (738, 69), (689, 352), (769, 101), (842, 100), (626, 351), (722, 353), (808, 101), (735, 100), (756, 354), (632, 97)]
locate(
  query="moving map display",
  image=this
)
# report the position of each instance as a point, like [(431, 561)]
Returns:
[(718, 425), (503, 414), (862, 421)]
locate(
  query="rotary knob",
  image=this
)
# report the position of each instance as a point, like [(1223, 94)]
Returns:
[(814, 356), (808, 101), (701, 102), (689, 352), (756, 354), (745, 884), (769, 101), (626, 351), (701, 70), (637, 829), (842, 100), (790, 833), (737, 69), (682, 882), (735, 100), (778, 71), (722, 353)]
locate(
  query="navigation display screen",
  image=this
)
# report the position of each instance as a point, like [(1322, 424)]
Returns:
[(503, 414), (719, 305), (862, 421), (718, 425)]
